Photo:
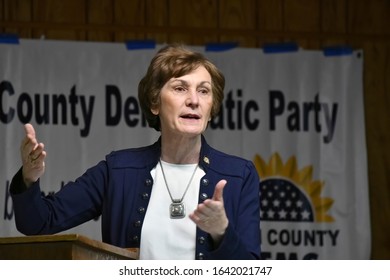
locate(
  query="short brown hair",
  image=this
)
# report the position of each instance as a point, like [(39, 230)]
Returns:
[(174, 61)]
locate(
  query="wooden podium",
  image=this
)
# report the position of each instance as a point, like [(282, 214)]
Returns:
[(61, 247)]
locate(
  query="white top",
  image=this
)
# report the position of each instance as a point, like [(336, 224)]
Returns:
[(163, 238)]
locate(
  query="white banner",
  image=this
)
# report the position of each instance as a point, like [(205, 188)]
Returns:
[(298, 115)]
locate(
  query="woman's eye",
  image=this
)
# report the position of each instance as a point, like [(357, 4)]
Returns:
[(180, 89), (204, 91)]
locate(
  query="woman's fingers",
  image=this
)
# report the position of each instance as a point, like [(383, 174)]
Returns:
[(29, 143), (33, 156)]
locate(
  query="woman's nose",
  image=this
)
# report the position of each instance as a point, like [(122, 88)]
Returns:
[(192, 98)]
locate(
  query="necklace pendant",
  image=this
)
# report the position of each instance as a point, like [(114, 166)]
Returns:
[(177, 210)]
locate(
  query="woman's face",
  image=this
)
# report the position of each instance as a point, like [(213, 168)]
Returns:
[(185, 104)]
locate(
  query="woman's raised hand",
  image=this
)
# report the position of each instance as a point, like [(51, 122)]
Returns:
[(33, 156), (210, 216)]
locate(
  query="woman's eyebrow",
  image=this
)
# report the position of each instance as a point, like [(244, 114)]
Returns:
[(204, 83), (180, 81), (184, 82)]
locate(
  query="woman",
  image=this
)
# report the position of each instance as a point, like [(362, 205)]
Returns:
[(176, 199)]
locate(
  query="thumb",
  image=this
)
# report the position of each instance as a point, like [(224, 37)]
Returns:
[(218, 192), (29, 129)]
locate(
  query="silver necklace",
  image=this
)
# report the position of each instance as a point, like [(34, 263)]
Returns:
[(177, 208)]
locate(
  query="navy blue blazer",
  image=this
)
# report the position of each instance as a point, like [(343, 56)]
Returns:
[(118, 189)]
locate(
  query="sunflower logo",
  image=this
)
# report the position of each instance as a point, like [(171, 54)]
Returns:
[(289, 194)]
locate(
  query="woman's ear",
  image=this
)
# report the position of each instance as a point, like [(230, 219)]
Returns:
[(155, 111)]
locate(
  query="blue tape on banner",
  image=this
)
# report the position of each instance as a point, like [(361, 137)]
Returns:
[(140, 44), (338, 51), (220, 47), (9, 39), (280, 47)]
